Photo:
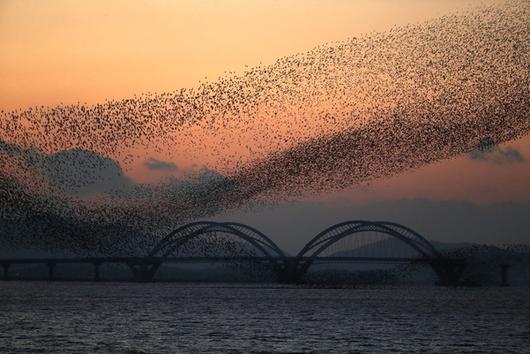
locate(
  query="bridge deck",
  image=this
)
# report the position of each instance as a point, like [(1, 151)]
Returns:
[(151, 260)]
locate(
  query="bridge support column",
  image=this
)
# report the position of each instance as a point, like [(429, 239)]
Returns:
[(143, 272), (5, 267), (504, 274), (290, 271), (96, 271), (448, 271), (51, 269)]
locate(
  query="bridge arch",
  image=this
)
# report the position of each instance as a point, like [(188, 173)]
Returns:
[(337, 232), (447, 272), (186, 233)]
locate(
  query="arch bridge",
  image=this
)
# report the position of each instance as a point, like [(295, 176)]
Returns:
[(356, 241), (208, 241)]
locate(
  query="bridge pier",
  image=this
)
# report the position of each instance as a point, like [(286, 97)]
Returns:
[(96, 271), (5, 267), (504, 274), (448, 271), (51, 269), (143, 272), (290, 271)]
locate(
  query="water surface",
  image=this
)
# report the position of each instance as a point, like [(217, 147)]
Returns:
[(211, 318)]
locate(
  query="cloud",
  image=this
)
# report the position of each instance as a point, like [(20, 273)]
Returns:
[(74, 171), (497, 155), (81, 172), (159, 165)]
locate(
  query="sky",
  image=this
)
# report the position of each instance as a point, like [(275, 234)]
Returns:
[(64, 52)]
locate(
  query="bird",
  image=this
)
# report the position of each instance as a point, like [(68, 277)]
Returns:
[(341, 114)]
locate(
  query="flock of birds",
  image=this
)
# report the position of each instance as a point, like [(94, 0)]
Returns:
[(341, 114)]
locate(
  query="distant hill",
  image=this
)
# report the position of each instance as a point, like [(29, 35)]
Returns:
[(394, 247)]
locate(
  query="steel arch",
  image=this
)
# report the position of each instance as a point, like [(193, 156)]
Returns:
[(339, 231), (181, 229), (419, 238), (187, 232), (250, 229)]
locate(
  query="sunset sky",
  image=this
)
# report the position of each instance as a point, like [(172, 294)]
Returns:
[(64, 52)]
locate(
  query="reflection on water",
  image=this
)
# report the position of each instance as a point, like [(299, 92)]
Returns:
[(169, 317)]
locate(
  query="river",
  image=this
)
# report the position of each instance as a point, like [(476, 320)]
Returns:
[(84, 317)]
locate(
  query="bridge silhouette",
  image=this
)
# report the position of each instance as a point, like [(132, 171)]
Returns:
[(229, 242)]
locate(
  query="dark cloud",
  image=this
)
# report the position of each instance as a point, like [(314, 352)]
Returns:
[(160, 165), (82, 172), (74, 171), (30, 157), (497, 155)]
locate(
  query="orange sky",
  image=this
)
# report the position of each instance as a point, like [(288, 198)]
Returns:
[(68, 51), (71, 51)]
